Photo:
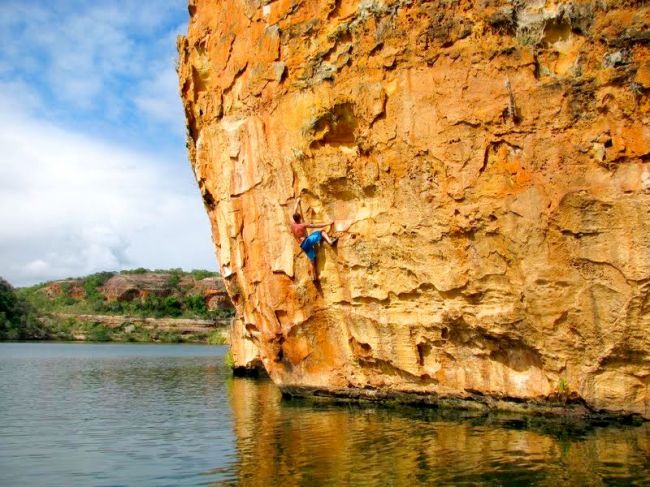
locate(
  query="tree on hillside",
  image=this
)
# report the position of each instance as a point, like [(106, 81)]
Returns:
[(17, 319)]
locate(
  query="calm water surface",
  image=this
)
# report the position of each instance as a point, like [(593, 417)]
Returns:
[(83, 414)]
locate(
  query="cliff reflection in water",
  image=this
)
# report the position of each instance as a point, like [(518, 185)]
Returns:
[(301, 443)]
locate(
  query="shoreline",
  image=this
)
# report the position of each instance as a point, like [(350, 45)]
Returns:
[(574, 409), (96, 328)]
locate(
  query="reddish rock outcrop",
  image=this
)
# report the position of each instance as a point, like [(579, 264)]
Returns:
[(139, 286), (214, 292), (487, 164), (129, 287), (69, 287)]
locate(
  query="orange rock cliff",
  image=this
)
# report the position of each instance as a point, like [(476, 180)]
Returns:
[(487, 164)]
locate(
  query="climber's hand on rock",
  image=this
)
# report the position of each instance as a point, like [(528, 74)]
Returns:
[(296, 205)]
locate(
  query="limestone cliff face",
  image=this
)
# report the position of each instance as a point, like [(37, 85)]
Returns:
[(488, 167)]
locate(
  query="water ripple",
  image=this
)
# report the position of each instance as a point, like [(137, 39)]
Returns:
[(171, 415)]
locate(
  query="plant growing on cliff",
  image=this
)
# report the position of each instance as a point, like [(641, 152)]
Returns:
[(216, 338), (93, 282), (563, 389), (174, 278), (229, 360)]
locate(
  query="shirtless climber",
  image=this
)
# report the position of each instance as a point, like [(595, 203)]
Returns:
[(309, 243)]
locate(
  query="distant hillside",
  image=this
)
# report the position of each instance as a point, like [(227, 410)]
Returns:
[(136, 305)]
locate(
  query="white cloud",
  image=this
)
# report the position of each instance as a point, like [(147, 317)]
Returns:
[(81, 85), (81, 53), (159, 99), (157, 95), (73, 204)]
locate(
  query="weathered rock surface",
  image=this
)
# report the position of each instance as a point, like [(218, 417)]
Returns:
[(130, 287), (66, 287), (488, 165), (244, 350)]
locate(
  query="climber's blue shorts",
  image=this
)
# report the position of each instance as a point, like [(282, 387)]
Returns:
[(310, 243)]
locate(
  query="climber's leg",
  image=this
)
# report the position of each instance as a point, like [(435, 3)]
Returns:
[(328, 239), (314, 271), (308, 246)]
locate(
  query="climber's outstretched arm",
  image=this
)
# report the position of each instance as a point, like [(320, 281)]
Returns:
[(296, 206), (319, 225)]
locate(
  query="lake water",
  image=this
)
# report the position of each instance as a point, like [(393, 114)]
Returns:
[(131, 414)]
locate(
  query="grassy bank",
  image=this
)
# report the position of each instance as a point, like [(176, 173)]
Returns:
[(129, 331)]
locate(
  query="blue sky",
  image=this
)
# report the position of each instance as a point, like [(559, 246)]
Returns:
[(93, 168)]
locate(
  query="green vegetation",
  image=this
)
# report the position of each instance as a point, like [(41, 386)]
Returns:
[(18, 320), (76, 329), (152, 306), (89, 285), (179, 304), (51, 310), (202, 274), (197, 274), (93, 282), (228, 360), (160, 307), (216, 338), (139, 270), (174, 280)]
